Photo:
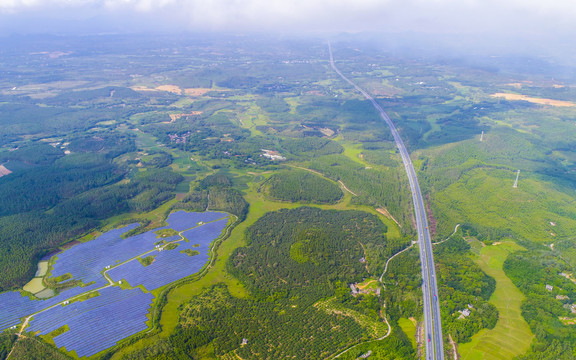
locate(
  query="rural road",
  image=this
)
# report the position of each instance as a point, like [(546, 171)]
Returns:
[(432, 323)]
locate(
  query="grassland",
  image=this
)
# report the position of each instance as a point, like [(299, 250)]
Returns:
[(511, 336), (408, 326), (485, 196)]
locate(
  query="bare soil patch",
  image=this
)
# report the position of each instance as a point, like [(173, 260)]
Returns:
[(170, 88), (143, 88), (386, 213), (198, 91), (4, 171), (541, 101)]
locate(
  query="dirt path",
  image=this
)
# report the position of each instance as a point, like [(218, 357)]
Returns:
[(346, 188), (454, 348), (386, 213), (342, 185), (449, 237), (392, 257)]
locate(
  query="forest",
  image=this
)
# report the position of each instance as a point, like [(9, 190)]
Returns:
[(288, 266), (302, 186)]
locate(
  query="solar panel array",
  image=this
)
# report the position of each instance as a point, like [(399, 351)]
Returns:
[(172, 265), (97, 323), (182, 220), (14, 306), (100, 322), (85, 261)]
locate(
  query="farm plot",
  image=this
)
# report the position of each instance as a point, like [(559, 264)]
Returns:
[(174, 264), (97, 323)]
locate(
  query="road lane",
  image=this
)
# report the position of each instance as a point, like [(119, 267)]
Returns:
[(434, 344)]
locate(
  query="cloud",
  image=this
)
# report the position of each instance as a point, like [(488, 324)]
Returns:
[(450, 16)]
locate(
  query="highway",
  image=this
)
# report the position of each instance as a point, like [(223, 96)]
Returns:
[(432, 323)]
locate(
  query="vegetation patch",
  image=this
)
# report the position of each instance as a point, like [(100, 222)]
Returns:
[(284, 290), (190, 252), (171, 246), (61, 330), (511, 336), (32, 348), (164, 233), (464, 290), (374, 326), (408, 326), (148, 260), (297, 252), (303, 186)]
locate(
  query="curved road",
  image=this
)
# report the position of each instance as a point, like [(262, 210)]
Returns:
[(432, 324)]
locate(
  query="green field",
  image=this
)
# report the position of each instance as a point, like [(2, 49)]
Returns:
[(409, 328), (485, 196), (511, 336)]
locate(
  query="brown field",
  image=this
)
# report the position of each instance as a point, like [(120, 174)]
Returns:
[(142, 88), (4, 171), (540, 101), (170, 88), (197, 91), (176, 90)]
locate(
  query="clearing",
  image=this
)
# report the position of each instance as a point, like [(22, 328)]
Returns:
[(4, 171), (534, 100), (199, 91), (511, 336), (35, 285)]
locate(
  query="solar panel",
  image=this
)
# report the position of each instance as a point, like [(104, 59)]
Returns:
[(100, 322)]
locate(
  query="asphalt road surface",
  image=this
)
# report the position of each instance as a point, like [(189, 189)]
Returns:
[(432, 323)]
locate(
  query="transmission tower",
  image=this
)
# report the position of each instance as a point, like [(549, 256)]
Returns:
[(516, 182)]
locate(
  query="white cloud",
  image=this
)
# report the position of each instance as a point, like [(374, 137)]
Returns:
[(476, 16)]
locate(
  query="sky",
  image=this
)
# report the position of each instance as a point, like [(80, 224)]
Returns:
[(527, 18)]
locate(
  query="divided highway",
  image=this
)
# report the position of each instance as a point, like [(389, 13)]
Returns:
[(432, 323)]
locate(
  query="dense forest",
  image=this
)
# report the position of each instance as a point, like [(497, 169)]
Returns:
[(295, 258), (547, 310), (215, 192), (302, 186), (52, 197), (463, 285)]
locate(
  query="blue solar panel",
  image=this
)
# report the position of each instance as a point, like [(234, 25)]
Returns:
[(14, 306), (172, 265), (100, 322), (182, 220), (113, 316)]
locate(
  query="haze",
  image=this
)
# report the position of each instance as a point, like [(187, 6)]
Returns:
[(505, 18)]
